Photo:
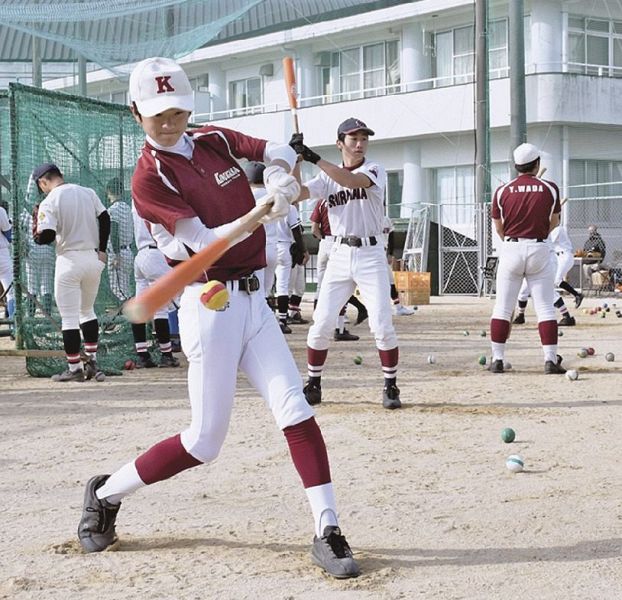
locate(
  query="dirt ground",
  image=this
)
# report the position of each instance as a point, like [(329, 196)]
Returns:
[(424, 495)]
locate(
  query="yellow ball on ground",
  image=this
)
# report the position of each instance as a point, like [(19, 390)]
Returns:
[(214, 295)]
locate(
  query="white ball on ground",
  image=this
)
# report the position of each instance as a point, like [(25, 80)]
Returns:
[(507, 365), (431, 359), (100, 376), (572, 374), (515, 463)]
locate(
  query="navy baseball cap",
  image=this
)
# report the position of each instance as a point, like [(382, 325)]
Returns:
[(352, 125), (41, 170)]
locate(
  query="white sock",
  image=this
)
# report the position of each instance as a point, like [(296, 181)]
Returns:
[(498, 350), (121, 483), (550, 353), (322, 501), (341, 323)]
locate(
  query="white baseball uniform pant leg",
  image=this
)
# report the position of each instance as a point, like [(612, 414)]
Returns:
[(531, 260), (77, 278), (297, 281), (283, 269), (323, 253), (347, 268), (268, 272), (149, 266), (6, 272), (523, 293), (565, 262), (217, 343)]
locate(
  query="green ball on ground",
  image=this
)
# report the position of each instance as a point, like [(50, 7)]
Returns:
[(358, 360), (482, 360), (483, 333), (508, 435), (582, 353)]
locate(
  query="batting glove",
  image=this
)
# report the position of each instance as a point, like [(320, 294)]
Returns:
[(279, 209), (277, 181)]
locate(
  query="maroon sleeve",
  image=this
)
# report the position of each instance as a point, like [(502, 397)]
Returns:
[(315, 215), (154, 200), (240, 145), (495, 211)]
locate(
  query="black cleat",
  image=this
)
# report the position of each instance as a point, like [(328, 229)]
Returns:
[(96, 530), (578, 299), (567, 321), (284, 327), (332, 553), (345, 336), (69, 375), (168, 361), (496, 366), (313, 393), (519, 320), (391, 397), (92, 371), (145, 362), (551, 368), (296, 319)]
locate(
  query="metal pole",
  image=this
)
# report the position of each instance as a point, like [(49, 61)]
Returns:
[(518, 111), (82, 87), (482, 131), (37, 78)]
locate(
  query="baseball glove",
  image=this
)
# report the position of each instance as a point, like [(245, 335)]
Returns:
[(297, 253)]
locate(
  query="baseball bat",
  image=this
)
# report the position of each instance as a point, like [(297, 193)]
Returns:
[(290, 87), (141, 308), (541, 171)]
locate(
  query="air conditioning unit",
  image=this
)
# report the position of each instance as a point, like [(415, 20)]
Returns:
[(322, 59), (266, 70)]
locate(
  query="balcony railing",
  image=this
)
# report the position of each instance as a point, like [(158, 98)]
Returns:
[(404, 88)]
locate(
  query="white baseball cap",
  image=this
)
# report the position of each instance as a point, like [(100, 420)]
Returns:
[(525, 153), (157, 84)]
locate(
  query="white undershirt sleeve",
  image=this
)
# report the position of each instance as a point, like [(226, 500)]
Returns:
[(196, 236)]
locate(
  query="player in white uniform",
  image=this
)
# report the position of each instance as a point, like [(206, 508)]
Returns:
[(564, 260), (288, 231), (6, 262), (149, 265), (38, 266), (354, 194), (77, 219), (254, 172), (120, 254), (388, 230)]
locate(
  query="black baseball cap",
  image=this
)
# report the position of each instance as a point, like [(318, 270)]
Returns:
[(254, 172), (352, 125), (41, 170)]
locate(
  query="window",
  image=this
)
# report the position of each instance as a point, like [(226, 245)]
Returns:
[(395, 183), (245, 94), (598, 203), (454, 53), (594, 46), (362, 72)]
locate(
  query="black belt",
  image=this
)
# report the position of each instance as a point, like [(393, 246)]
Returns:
[(248, 284), (125, 247), (357, 242), (513, 239)]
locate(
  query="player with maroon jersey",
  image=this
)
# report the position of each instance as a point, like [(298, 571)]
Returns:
[(190, 183), (524, 211)]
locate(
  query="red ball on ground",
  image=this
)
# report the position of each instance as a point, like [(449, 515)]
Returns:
[(129, 364)]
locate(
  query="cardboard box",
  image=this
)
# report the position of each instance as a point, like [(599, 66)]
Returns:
[(412, 287)]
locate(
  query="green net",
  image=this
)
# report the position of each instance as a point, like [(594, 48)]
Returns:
[(94, 144), (113, 33)]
